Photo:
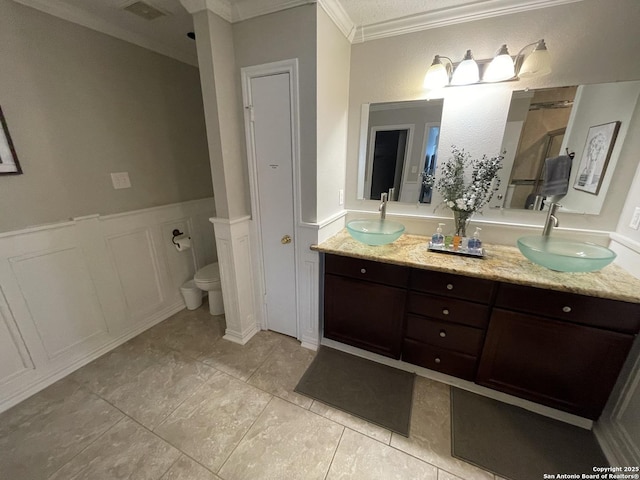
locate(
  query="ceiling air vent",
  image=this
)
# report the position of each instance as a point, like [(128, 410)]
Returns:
[(144, 10)]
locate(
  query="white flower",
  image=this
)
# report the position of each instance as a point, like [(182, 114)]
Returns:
[(481, 177)]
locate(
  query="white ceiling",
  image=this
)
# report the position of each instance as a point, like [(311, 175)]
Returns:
[(368, 12), (359, 20)]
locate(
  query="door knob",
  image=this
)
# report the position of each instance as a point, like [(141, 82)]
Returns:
[(286, 239)]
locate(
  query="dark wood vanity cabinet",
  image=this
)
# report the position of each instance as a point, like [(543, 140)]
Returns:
[(364, 304), (558, 349), (447, 316)]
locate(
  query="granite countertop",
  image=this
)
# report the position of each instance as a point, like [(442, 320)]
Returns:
[(501, 263)]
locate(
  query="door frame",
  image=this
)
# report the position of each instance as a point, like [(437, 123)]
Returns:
[(289, 66), (410, 127)]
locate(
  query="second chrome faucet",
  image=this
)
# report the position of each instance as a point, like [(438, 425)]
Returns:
[(383, 206), (552, 221)]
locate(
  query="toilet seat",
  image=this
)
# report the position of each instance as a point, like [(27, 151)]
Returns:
[(208, 277)]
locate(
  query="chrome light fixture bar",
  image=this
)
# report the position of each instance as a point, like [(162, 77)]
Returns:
[(501, 68)]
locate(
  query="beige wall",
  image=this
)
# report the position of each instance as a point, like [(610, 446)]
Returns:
[(334, 55), (392, 69), (280, 36), (80, 105)]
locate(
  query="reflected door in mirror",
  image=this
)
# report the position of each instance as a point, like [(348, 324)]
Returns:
[(389, 152)]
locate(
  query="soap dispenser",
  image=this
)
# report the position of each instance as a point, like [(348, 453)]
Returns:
[(437, 239), (475, 244)]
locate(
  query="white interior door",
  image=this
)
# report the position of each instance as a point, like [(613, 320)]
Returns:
[(272, 147)]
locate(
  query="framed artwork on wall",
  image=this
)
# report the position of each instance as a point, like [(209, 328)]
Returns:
[(595, 157), (9, 164)]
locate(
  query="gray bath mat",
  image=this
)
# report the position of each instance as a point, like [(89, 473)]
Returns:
[(518, 444), (366, 389)]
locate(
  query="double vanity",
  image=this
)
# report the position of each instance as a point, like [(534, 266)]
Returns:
[(557, 339)]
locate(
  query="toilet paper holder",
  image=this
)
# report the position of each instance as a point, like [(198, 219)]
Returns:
[(176, 233)]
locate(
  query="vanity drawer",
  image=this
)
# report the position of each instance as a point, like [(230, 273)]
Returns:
[(446, 284), (367, 270), (596, 312), (449, 309), (445, 335), (439, 359)]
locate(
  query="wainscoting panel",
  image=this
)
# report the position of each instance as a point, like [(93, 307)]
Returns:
[(61, 299), (309, 276), (236, 278), (14, 357), (72, 291), (134, 255)]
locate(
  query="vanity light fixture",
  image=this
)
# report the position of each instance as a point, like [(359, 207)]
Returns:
[(467, 72), (501, 68)]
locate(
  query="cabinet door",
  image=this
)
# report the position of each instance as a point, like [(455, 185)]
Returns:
[(555, 363), (365, 315)]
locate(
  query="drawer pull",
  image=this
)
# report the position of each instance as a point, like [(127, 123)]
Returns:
[(449, 286), (437, 360), (363, 270), (445, 311), (566, 309), (443, 333)]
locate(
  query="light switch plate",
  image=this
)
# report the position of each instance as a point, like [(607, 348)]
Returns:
[(635, 220), (120, 180), (341, 197)]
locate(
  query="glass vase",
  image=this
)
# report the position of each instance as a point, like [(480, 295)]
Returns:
[(461, 220)]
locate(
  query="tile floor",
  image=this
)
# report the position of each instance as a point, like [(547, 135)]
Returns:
[(179, 403)]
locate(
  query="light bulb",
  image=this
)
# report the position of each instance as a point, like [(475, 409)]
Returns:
[(437, 76), (537, 63), (467, 72), (501, 67)]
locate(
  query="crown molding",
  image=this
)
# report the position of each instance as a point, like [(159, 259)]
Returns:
[(246, 9), (340, 17), (86, 19), (450, 16), (222, 8), (243, 9)]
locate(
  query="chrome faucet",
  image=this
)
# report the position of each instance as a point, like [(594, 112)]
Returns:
[(383, 206), (551, 221), (391, 195)]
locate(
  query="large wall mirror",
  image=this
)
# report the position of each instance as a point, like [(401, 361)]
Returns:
[(400, 144), (399, 141)]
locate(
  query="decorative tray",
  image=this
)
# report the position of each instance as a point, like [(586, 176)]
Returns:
[(460, 251)]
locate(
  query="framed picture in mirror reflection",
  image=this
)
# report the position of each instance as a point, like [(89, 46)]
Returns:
[(595, 157)]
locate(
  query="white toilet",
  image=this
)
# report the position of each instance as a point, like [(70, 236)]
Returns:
[(208, 279)]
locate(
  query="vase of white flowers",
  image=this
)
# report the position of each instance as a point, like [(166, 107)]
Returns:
[(466, 184), (461, 219)]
